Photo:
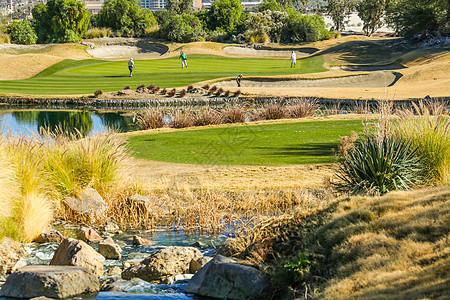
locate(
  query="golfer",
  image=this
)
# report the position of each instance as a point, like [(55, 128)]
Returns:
[(183, 59), (238, 80), (293, 59), (131, 66)]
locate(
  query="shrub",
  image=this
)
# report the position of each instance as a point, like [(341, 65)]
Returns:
[(213, 88), (127, 87), (151, 118), (151, 31), (233, 114), (21, 32), (273, 111), (183, 93), (379, 165), (156, 89), (431, 135), (97, 33), (163, 91), (4, 38), (182, 118), (219, 92), (190, 88), (207, 116), (151, 87), (305, 28), (140, 87), (98, 93), (237, 93), (301, 108), (205, 87), (227, 94), (172, 92)]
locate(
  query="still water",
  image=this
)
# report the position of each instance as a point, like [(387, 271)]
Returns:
[(87, 122)]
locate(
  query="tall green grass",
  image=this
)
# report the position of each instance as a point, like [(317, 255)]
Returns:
[(42, 171), (427, 125)]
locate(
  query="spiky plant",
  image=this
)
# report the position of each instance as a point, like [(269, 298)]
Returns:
[(379, 165)]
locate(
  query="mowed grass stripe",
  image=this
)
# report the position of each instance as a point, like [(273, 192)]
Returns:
[(269, 144), (86, 76)]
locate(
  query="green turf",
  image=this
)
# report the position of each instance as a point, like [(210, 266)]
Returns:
[(71, 77), (273, 144)]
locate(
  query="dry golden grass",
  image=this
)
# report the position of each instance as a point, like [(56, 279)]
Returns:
[(7, 182), (36, 211), (391, 247)]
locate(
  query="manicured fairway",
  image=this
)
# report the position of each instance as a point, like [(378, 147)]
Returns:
[(71, 77), (271, 144)]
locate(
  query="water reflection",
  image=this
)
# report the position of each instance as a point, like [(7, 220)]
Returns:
[(83, 121)]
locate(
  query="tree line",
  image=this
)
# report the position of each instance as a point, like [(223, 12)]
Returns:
[(61, 21)]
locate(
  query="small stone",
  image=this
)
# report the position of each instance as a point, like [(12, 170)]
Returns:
[(87, 234), (114, 271), (198, 262), (11, 252), (137, 240), (109, 249), (180, 278), (88, 204), (111, 227), (50, 237)]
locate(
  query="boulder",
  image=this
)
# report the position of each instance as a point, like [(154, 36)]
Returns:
[(72, 252), (109, 249), (111, 227), (223, 278), (145, 204), (197, 263), (87, 234), (87, 204), (50, 281), (162, 264), (11, 253), (137, 240), (53, 236)]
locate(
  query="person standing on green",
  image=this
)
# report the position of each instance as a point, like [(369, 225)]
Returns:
[(131, 66), (183, 57)]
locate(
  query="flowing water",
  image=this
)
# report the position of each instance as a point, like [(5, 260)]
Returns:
[(136, 289)]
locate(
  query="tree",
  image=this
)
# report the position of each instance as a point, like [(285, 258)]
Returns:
[(225, 14), (305, 28), (183, 28), (371, 13), (125, 16), (338, 11), (269, 5), (179, 6), (60, 21), (21, 32), (410, 17)]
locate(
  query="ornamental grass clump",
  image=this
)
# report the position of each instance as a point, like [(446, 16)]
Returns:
[(181, 118), (427, 125), (207, 116), (274, 110), (378, 165), (150, 118), (233, 114), (301, 108)]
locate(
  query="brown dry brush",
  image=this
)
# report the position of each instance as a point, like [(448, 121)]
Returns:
[(151, 118), (172, 92), (156, 89), (205, 87), (163, 91), (139, 87), (127, 87), (181, 118), (233, 114), (237, 93), (303, 107), (227, 94), (151, 87), (183, 93), (190, 88), (274, 110), (213, 88), (207, 116), (219, 92)]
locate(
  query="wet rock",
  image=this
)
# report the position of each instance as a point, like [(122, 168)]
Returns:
[(109, 249), (114, 271), (162, 264), (50, 281), (50, 237), (180, 278), (223, 278), (72, 252), (11, 253), (197, 263), (146, 205), (87, 234), (137, 240), (198, 244), (111, 227), (87, 204)]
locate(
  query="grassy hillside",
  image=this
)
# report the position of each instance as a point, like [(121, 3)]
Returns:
[(391, 247), (270, 144), (71, 77)]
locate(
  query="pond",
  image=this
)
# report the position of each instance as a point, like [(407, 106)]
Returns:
[(87, 122)]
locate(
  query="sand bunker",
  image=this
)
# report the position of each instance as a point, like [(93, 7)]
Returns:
[(376, 79), (271, 52), (122, 51)]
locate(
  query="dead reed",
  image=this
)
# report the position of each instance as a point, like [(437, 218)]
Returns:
[(207, 116), (181, 118), (233, 114), (151, 118), (303, 107)]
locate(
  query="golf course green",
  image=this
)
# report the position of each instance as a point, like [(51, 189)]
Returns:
[(73, 77), (268, 144)]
